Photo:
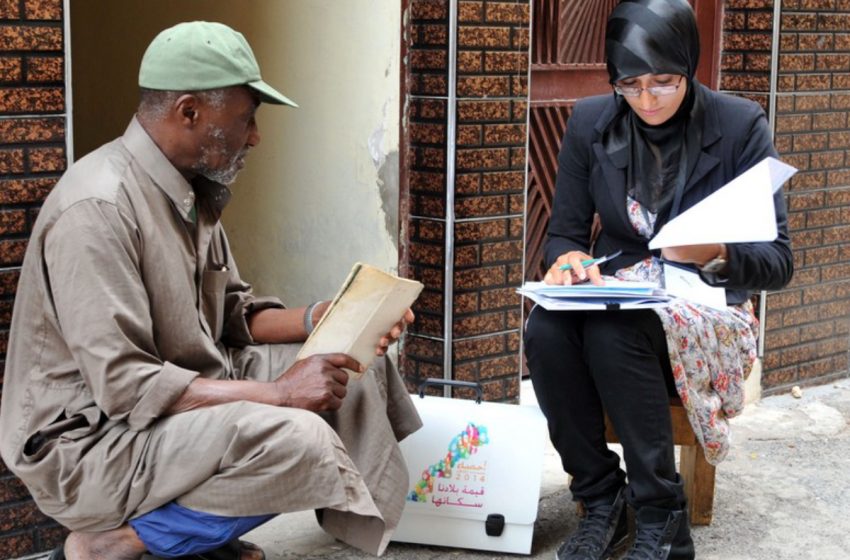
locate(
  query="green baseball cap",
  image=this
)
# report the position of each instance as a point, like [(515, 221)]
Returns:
[(203, 55)]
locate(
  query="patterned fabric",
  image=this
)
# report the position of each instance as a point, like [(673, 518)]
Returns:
[(711, 351)]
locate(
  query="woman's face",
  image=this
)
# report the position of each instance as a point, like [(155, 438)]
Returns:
[(656, 107)]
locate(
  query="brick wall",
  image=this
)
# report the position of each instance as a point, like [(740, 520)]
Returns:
[(492, 88), (809, 330), (32, 156), (807, 323)]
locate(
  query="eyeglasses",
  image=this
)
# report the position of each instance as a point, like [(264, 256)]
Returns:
[(656, 91)]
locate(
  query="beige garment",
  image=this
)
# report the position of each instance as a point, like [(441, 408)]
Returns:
[(123, 300)]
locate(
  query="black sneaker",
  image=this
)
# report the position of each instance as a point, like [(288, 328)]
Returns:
[(661, 535), (603, 530)]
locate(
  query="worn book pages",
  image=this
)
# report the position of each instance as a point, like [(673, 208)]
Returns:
[(366, 307)]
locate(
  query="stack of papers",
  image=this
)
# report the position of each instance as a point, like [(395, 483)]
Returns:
[(614, 294)]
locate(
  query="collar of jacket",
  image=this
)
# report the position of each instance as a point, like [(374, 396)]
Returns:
[(613, 164)]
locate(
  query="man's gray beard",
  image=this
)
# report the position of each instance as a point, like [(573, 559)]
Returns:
[(227, 175)]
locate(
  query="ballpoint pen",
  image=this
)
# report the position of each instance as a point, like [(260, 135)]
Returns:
[(594, 262)]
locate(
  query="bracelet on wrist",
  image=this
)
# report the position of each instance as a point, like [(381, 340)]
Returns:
[(308, 316)]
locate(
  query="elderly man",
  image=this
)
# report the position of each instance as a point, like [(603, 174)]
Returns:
[(151, 401)]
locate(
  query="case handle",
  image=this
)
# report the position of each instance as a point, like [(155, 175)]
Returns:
[(451, 383)]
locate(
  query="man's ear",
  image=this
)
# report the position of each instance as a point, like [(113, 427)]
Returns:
[(186, 109)]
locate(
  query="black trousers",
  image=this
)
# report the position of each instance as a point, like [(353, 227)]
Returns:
[(585, 363)]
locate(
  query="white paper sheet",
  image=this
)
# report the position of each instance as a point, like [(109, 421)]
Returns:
[(687, 284), (741, 211)]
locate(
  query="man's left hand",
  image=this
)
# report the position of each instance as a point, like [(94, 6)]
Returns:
[(395, 333)]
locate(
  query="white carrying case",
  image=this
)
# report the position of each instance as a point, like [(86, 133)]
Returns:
[(475, 471)]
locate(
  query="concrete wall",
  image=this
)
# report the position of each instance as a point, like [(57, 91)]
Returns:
[(321, 190)]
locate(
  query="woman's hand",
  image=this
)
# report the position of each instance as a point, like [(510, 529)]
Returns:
[(576, 274), (695, 254)]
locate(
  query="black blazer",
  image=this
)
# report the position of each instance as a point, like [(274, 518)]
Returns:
[(736, 136)]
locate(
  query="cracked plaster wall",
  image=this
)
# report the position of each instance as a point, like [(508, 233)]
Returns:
[(321, 190)]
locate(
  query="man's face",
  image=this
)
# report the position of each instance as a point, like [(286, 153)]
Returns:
[(229, 131)]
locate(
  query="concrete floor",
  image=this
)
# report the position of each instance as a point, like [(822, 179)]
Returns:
[(782, 493)]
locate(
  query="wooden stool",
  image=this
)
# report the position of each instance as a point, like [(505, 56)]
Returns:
[(697, 473)]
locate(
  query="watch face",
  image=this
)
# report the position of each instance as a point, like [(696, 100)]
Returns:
[(714, 266)]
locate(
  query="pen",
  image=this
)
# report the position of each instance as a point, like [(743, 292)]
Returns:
[(594, 262)]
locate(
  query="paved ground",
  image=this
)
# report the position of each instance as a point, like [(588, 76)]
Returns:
[(783, 493)]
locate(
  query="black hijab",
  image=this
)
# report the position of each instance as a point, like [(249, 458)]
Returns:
[(655, 37)]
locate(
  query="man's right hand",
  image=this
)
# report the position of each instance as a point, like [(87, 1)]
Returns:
[(316, 383)]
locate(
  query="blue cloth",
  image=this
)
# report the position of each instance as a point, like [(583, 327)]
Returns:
[(173, 530)]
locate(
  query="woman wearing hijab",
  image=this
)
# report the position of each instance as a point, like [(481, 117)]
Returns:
[(637, 158)]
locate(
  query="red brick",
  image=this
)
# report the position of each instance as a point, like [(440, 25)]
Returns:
[(481, 206), (469, 62), (429, 35), (748, 4), (760, 21), (470, 12), (812, 102), (833, 62), (496, 134), (793, 123), (30, 38), (821, 256), (484, 36), (816, 331), (10, 69), (499, 367), (797, 22), (732, 61), (43, 9), (483, 86), (31, 100), (734, 21), (466, 256), (833, 22), (828, 160), (481, 231), (490, 158), (479, 323), (780, 338), (11, 161), (429, 9), (12, 251), (838, 178), (747, 41), (427, 59), (479, 347), (16, 191), (46, 160), (812, 82), (484, 277), (799, 316), (505, 62), (465, 303), (12, 222), (17, 545), (10, 9), (504, 181), (501, 252), (520, 38), (808, 180), (801, 201), (815, 41), (467, 184), (499, 299), (839, 139), (757, 62), (783, 300), (483, 111), (507, 12)]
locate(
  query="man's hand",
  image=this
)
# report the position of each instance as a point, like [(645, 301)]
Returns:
[(395, 332), (316, 383)]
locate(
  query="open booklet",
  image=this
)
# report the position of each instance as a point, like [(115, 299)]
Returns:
[(364, 309)]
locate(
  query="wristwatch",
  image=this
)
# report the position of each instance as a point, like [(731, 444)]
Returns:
[(715, 265)]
